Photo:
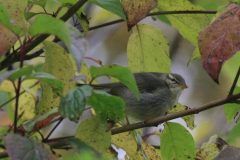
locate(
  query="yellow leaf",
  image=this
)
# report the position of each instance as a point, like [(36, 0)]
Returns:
[(128, 144), (148, 50), (16, 9), (58, 64)]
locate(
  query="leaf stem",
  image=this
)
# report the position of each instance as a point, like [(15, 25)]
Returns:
[(9, 60), (234, 82), (149, 136), (97, 61)]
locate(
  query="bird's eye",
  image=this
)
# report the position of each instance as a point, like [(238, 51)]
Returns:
[(174, 80)]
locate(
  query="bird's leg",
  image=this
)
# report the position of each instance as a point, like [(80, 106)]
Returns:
[(127, 122)]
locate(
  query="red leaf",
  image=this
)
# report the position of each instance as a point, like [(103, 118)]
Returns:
[(136, 10), (219, 41)]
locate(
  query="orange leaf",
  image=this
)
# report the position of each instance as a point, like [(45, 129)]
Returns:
[(220, 40), (136, 10), (41, 123)]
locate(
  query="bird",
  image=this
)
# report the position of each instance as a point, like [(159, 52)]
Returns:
[(158, 93)]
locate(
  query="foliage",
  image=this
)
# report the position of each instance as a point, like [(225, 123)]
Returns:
[(47, 92)]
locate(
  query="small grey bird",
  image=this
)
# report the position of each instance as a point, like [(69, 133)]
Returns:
[(158, 93)]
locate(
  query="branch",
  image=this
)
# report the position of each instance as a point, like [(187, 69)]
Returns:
[(157, 121), (60, 142), (152, 14), (12, 58)]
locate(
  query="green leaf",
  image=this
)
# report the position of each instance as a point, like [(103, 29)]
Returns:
[(113, 6), (188, 119), (25, 71), (5, 75), (29, 15), (177, 143), (122, 73), (231, 109), (57, 63), (5, 20), (56, 85), (138, 139), (78, 47), (83, 20), (45, 24), (148, 50), (30, 124), (73, 104), (163, 18), (3, 130), (188, 25), (80, 14), (93, 134), (80, 146), (41, 3), (107, 106), (19, 147), (3, 98), (234, 135)]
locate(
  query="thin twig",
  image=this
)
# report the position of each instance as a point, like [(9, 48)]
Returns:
[(53, 121), (97, 61), (9, 60), (53, 130), (234, 82), (12, 59), (62, 141), (151, 14), (41, 134), (182, 12), (2, 105)]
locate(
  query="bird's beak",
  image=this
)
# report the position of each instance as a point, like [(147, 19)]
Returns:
[(183, 86)]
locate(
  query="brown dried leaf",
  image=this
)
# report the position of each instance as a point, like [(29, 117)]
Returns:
[(219, 41), (136, 10)]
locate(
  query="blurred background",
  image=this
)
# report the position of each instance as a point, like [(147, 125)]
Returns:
[(109, 44)]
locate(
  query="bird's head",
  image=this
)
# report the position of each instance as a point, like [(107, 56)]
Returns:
[(175, 82)]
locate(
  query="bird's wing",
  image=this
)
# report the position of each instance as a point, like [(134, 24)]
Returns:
[(149, 81)]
